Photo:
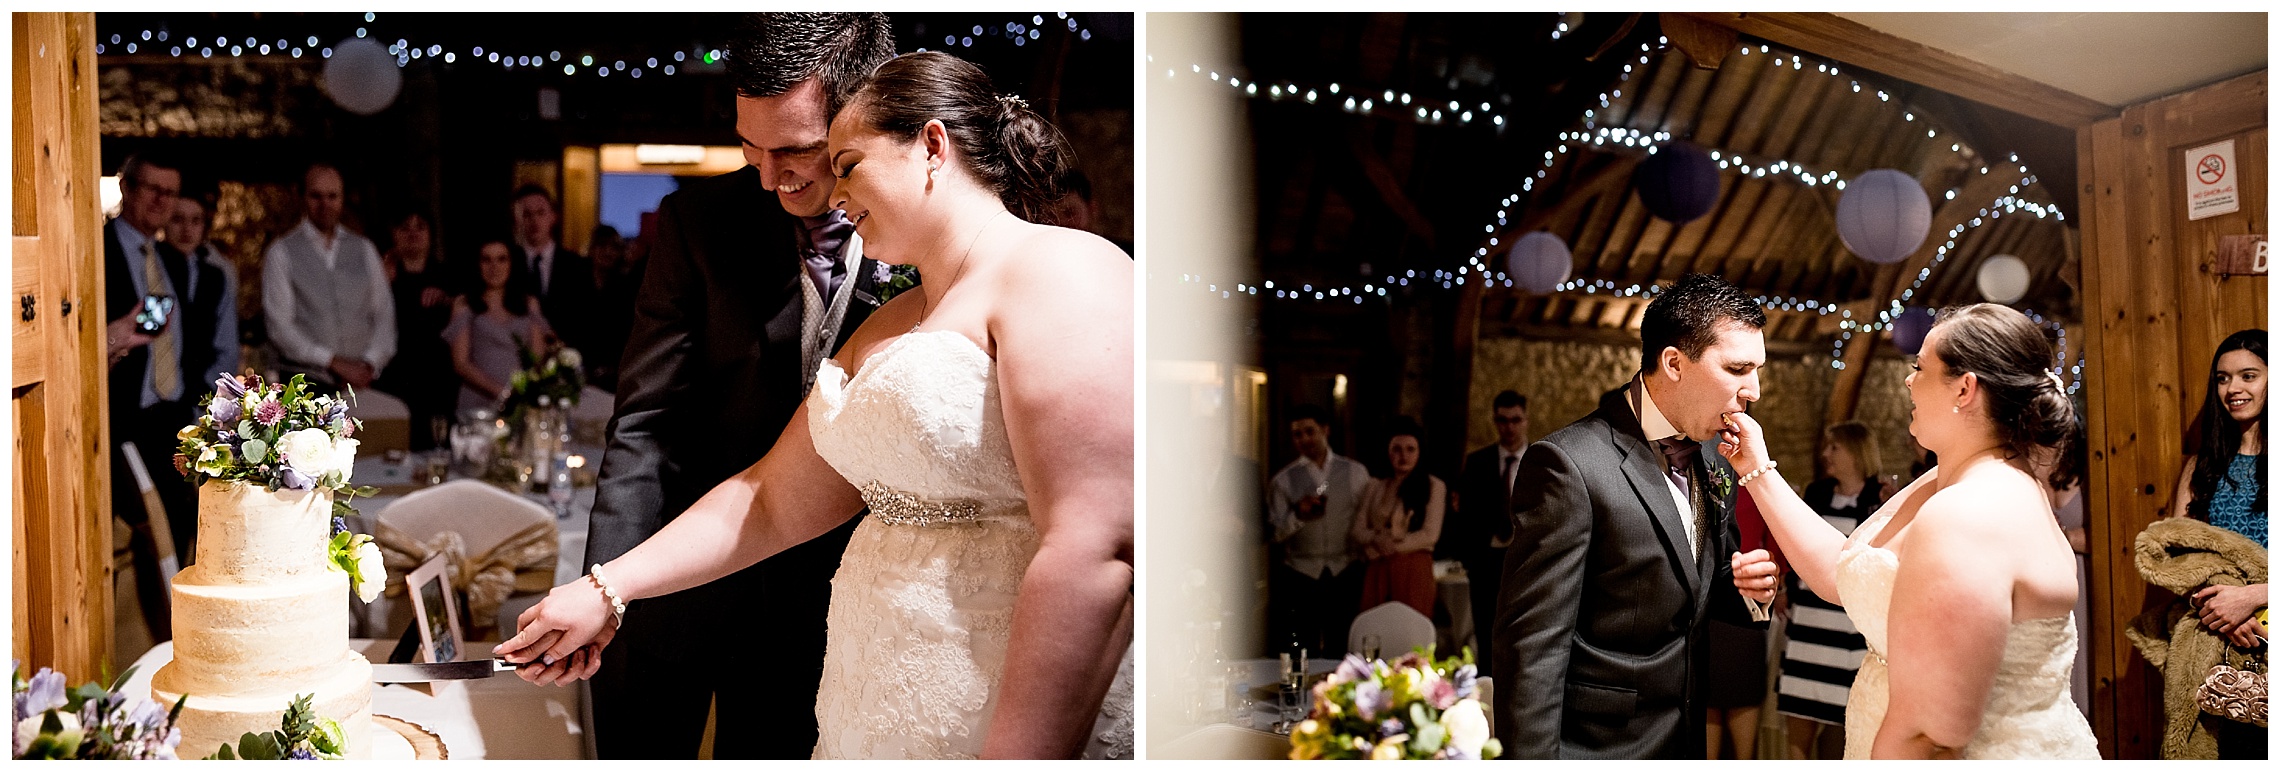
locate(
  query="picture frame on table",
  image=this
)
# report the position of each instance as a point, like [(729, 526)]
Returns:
[(435, 611)]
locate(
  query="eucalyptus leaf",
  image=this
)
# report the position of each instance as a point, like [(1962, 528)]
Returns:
[(246, 428), (256, 451)]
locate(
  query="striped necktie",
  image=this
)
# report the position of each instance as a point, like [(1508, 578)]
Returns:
[(165, 362)]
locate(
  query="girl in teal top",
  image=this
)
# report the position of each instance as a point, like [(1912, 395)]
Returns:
[(2223, 484)]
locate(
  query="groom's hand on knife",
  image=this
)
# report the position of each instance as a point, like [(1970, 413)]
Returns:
[(1756, 576)]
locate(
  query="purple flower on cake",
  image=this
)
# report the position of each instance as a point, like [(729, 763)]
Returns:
[(228, 387), (269, 412), (225, 412), (295, 480)]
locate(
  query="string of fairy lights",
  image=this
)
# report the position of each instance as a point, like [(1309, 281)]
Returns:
[(1477, 266), (1018, 32)]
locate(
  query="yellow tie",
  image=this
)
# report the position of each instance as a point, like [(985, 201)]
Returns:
[(166, 365)]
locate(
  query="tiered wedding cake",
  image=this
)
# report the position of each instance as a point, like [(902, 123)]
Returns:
[(260, 618)]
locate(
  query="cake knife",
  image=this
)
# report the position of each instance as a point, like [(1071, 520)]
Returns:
[(424, 672)]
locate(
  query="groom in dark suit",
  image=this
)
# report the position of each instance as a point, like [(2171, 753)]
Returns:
[(752, 280), (1622, 543)]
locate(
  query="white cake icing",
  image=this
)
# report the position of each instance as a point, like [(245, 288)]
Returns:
[(261, 618)]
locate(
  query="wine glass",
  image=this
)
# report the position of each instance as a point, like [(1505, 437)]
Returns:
[(1370, 648), (558, 488)]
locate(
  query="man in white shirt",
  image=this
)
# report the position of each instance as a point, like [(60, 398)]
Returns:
[(325, 294), (1316, 581)]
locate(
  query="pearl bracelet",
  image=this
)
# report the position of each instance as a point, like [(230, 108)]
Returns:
[(617, 605), (1769, 465)]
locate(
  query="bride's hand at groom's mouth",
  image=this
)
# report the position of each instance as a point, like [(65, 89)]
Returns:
[(1742, 442)]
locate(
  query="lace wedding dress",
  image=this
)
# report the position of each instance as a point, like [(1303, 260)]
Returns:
[(922, 606), (2030, 714)]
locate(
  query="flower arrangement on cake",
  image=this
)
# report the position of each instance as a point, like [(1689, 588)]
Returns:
[(302, 736), (554, 375), (90, 722), (281, 436), (1411, 708)]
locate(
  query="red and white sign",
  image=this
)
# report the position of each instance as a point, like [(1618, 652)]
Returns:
[(2212, 181)]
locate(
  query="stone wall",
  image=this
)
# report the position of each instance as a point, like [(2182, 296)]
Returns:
[(1564, 379)]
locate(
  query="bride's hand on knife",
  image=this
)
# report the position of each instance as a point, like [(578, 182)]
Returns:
[(565, 633)]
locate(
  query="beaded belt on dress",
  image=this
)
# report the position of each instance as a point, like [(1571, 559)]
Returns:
[(895, 507)]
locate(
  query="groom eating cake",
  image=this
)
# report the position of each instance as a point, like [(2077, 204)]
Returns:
[(1622, 544), (752, 281)]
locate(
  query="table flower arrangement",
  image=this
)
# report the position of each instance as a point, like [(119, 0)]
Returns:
[(90, 722), (554, 375), (282, 436), (1412, 708)]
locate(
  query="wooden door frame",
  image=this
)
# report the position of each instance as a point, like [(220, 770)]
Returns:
[(61, 529)]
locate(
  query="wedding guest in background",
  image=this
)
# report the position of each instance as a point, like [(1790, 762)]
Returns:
[(2223, 485), (325, 294), (422, 374), (1311, 505), (561, 280), (617, 282), (210, 318), (1397, 525), (151, 392), (1825, 650), (490, 328), (1479, 526)]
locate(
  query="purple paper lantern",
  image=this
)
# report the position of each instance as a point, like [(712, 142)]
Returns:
[(1909, 329), (1678, 183), (1884, 215), (1538, 262)]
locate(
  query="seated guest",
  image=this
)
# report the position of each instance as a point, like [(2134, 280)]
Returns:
[(325, 294), (489, 329), (421, 374), (1397, 526)]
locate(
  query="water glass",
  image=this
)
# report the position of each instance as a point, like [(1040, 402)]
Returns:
[(558, 488), (1370, 648)]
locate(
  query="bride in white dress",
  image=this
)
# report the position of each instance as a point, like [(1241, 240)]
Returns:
[(985, 418), (1962, 583)]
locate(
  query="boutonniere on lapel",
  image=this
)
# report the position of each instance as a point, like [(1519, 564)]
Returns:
[(890, 280), (1724, 480)]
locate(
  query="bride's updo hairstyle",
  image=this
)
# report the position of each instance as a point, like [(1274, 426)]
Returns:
[(1007, 146), (2025, 401)]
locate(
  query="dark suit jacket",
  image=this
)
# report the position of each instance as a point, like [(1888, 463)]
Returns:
[(1484, 511), (711, 372), (570, 297), (1599, 623), (122, 296)]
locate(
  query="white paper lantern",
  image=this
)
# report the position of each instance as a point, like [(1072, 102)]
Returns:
[(1884, 215), (2003, 279), (1538, 262), (362, 77)]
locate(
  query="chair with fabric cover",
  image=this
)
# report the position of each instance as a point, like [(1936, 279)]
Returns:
[(1398, 628), (387, 422), (502, 547)]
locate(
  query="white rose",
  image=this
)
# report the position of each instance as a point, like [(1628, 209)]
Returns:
[(372, 573), (307, 450), (344, 457), (29, 728), (569, 358), (1467, 725)]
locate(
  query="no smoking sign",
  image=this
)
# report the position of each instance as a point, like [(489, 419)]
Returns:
[(2213, 188)]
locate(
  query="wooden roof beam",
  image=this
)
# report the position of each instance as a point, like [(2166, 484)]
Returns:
[(1857, 44)]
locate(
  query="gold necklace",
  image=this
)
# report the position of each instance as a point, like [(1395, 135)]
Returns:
[(927, 307)]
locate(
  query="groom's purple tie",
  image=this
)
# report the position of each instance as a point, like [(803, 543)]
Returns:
[(825, 236), (1678, 455)]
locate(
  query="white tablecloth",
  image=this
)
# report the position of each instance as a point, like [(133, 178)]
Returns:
[(569, 560), (501, 717)]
